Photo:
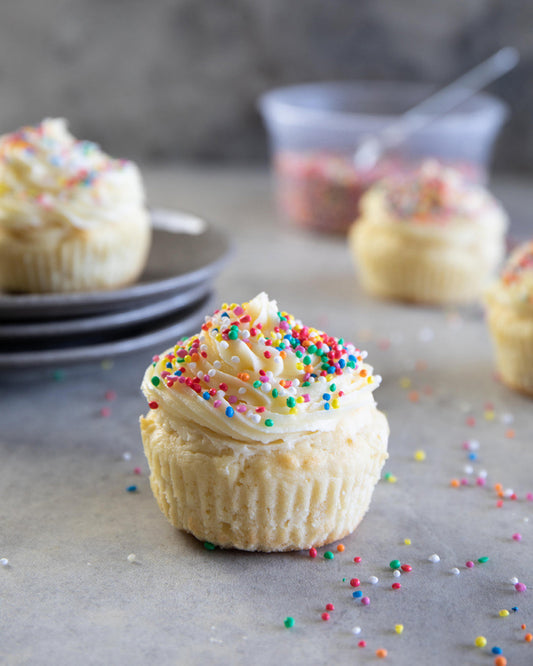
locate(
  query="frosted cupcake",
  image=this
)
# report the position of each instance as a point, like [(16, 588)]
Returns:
[(263, 433), (429, 237), (71, 218), (510, 319)]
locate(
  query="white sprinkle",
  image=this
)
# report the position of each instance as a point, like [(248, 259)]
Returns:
[(278, 359), (356, 631), (245, 334), (514, 580), (224, 344), (203, 348), (426, 334), (373, 580), (4, 561), (200, 374), (455, 571), (468, 469), (132, 557), (242, 390), (396, 573), (126, 455), (269, 374), (508, 492), (235, 359), (434, 558), (473, 444), (256, 418), (192, 366), (266, 387), (296, 382), (364, 354), (378, 379), (465, 407), (506, 418), (212, 372), (217, 364), (482, 473)]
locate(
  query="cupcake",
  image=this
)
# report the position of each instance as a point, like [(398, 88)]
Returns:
[(263, 433), (71, 218), (428, 236), (510, 319)]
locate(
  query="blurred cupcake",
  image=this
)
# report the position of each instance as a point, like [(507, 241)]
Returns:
[(71, 217), (510, 319), (428, 236), (263, 433)]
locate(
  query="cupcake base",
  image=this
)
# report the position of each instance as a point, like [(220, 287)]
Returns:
[(265, 497)]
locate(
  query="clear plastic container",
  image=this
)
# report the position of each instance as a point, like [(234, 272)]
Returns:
[(314, 130)]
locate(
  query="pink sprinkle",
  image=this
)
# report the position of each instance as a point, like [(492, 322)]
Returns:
[(471, 421), (155, 358), (110, 395), (165, 373), (480, 481), (306, 397), (284, 325), (105, 412), (365, 601), (469, 564), (465, 446), (238, 311), (464, 482), (207, 378), (517, 536), (232, 399), (520, 587), (217, 403), (529, 497), (241, 408), (181, 379), (136, 470)]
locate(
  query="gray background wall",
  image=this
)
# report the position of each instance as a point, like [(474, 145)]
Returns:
[(178, 79)]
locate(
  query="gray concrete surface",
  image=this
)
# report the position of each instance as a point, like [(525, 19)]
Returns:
[(69, 595)]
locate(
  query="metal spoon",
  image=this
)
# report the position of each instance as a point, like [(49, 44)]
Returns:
[(372, 147)]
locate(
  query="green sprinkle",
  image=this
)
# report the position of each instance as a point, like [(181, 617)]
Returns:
[(233, 334), (269, 423), (289, 622), (306, 384), (59, 375), (483, 559), (350, 364), (307, 360), (333, 387), (328, 555), (256, 384), (395, 564), (311, 349), (282, 345), (299, 354), (340, 341), (209, 546), (291, 402), (325, 366), (155, 381), (275, 393)]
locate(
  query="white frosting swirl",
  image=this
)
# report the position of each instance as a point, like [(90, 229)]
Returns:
[(256, 374), (48, 179), (514, 288)]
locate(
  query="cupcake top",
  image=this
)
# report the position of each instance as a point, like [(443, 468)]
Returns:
[(515, 285), (50, 179), (255, 373), (433, 196)]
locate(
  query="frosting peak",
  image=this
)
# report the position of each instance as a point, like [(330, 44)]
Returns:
[(255, 373), (516, 280)]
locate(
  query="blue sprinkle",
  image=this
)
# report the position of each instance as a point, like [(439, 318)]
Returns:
[(514, 609), (229, 411), (131, 489), (331, 369), (225, 314), (496, 650), (342, 363), (472, 455), (352, 358), (169, 365), (326, 396), (205, 395), (357, 594), (326, 406), (178, 373)]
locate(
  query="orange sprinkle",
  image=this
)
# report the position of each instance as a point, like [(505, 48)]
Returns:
[(340, 548), (500, 661), (528, 638), (413, 396), (455, 483), (498, 487), (244, 376), (362, 373), (195, 356), (421, 365), (382, 653), (283, 353), (522, 626), (501, 493), (509, 433)]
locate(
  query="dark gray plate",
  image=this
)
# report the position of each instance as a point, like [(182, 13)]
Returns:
[(186, 252), (154, 336)]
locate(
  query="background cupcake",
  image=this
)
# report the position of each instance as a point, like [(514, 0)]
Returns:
[(428, 236), (71, 217), (510, 319)]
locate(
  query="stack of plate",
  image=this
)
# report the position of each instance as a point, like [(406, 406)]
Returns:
[(169, 301)]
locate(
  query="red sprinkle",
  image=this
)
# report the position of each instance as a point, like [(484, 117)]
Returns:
[(407, 567), (396, 586), (110, 395), (357, 559), (312, 552), (105, 412), (325, 616), (153, 405), (330, 607), (355, 582), (361, 644)]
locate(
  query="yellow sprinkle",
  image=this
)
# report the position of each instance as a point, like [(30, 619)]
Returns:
[(489, 415), (299, 366), (370, 379), (224, 306), (392, 479), (335, 403), (407, 542), (293, 410), (233, 306), (420, 455), (107, 364), (504, 612), (398, 628), (329, 378), (219, 337), (405, 382), (480, 641), (299, 399), (187, 359)]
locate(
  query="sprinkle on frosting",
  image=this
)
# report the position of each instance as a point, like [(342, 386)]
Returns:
[(518, 272), (253, 362), (433, 194)]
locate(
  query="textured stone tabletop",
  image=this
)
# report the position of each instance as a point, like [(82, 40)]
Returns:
[(69, 594)]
